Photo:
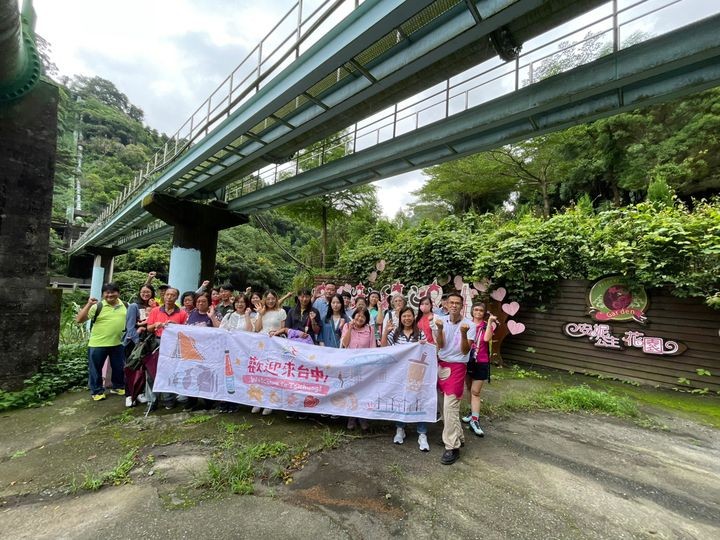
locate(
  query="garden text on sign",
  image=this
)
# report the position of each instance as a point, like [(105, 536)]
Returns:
[(389, 383)]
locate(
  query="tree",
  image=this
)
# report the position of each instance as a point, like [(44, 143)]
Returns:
[(333, 208), (535, 164), (476, 183)]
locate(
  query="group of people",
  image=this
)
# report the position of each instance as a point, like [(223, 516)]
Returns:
[(331, 320)]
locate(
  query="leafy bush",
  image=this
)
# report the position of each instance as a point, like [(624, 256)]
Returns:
[(653, 244), (54, 377), (129, 283)]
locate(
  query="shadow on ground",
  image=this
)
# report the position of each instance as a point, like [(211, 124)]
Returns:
[(79, 469)]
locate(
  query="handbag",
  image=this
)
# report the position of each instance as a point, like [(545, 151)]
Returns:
[(141, 350)]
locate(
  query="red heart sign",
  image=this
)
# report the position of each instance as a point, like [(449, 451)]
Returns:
[(311, 401)]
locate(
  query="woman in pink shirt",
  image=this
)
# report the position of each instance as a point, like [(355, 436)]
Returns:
[(358, 334)]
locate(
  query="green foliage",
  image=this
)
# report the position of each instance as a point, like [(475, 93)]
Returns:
[(71, 332), (659, 192), (669, 246), (118, 475), (199, 419), (236, 472), (129, 282), (583, 398), (54, 377), (574, 399)]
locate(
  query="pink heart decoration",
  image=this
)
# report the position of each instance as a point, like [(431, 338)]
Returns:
[(498, 294), (511, 309), (482, 285), (458, 282), (515, 327), (380, 265)]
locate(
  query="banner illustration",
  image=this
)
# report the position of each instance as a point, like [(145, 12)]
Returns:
[(389, 383)]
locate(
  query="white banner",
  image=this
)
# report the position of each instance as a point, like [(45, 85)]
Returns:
[(388, 383)]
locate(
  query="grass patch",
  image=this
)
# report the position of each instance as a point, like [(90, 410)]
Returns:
[(120, 474), (236, 471), (515, 372), (332, 438), (232, 429), (573, 399), (584, 398), (704, 409), (199, 419)]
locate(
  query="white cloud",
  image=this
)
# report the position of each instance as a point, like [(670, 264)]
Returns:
[(168, 56), (395, 193)]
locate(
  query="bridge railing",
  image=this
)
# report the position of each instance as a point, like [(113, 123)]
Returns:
[(607, 29), (296, 30)]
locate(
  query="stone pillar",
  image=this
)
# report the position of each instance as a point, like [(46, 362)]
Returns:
[(29, 311), (192, 259)]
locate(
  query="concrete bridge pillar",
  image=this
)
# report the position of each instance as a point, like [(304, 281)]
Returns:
[(102, 270), (194, 245), (29, 311)]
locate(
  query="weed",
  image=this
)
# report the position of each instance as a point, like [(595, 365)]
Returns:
[(199, 419), (583, 398), (264, 450), (236, 472), (120, 473), (396, 471), (90, 481), (516, 372), (703, 372), (683, 380), (236, 475), (126, 416), (331, 439), (573, 399), (18, 454), (231, 428)]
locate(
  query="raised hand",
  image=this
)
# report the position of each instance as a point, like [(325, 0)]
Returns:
[(152, 275), (464, 327), (92, 301), (439, 323)]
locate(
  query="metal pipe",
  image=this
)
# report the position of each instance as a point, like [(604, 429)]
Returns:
[(20, 65)]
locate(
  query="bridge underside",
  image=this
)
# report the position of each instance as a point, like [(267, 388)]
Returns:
[(659, 70), (384, 52)]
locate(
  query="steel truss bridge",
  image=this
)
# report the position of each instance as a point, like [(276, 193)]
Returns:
[(390, 86)]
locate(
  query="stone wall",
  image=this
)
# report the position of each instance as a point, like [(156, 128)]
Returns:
[(29, 311)]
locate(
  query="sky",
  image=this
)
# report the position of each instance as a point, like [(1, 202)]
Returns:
[(168, 56)]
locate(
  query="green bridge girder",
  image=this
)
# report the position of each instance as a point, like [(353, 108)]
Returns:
[(381, 65)]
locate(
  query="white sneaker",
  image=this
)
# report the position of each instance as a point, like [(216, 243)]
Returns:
[(399, 436), (266, 412), (141, 398), (255, 410), (423, 442), (129, 401)]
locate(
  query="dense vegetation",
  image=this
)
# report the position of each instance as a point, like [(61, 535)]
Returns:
[(619, 195), (656, 243)]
